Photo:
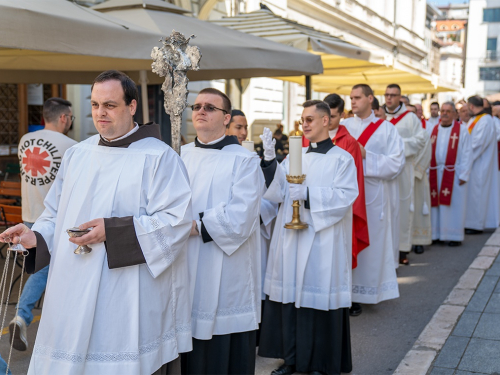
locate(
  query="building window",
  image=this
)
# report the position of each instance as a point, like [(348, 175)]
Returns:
[(491, 15), (489, 74), (491, 44)]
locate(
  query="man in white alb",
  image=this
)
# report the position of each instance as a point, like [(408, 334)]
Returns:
[(449, 171), (416, 140), (434, 119), (374, 280), (224, 247), (308, 276), (483, 207), (124, 307)]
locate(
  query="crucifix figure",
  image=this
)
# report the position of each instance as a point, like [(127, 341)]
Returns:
[(454, 137), (173, 61)]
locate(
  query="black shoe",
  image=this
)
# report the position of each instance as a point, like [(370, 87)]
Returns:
[(317, 373), (284, 370), (473, 231), (454, 243), (437, 242), (356, 309), (403, 259), (419, 249)]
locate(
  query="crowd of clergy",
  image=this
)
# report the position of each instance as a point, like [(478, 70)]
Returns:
[(192, 267)]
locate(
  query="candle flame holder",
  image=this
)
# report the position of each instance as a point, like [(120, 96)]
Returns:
[(296, 223)]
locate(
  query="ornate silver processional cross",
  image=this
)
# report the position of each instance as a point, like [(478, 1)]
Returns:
[(173, 61)]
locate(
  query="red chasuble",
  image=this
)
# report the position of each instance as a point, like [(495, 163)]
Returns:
[(360, 238), (444, 195)]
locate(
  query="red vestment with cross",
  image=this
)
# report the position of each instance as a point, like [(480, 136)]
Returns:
[(443, 197)]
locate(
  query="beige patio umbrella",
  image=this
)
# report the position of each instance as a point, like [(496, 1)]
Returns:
[(58, 41)]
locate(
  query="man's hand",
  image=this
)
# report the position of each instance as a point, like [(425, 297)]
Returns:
[(194, 229), (96, 235), (19, 234), (269, 143), (363, 151), (461, 182), (298, 192)]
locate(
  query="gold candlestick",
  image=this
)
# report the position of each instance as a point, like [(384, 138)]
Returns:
[(296, 223)]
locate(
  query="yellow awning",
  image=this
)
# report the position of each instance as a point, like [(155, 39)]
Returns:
[(344, 64)]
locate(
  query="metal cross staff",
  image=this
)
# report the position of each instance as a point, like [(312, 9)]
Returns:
[(173, 61)]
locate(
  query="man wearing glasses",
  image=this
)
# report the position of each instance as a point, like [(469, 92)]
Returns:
[(415, 141), (224, 248), (40, 154)]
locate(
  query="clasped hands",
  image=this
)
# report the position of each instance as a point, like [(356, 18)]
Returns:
[(26, 237)]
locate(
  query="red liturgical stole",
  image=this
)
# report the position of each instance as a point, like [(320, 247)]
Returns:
[(424, 123), (368, 132), (444, 195), (395, 120)]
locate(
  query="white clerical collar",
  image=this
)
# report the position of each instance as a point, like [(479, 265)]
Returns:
[(136, 127), (369, 119), (212, 142), (333, 133)]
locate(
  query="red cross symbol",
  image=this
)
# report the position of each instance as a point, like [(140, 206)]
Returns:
[(35, 161)]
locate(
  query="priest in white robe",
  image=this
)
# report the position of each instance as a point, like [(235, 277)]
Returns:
[(123, 308), (224, 248), (488, 108), (483, 207), (375, 280), (308, 276), (434, 118), (415, 138), (421, 229), (452, 158)]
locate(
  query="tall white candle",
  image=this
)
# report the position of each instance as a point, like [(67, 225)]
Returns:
[(248, 145), (295, 155)]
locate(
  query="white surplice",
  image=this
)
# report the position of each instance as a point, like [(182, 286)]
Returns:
[(497, 129), (483, 206), (312, 267), (448, 221), (268, 213), (421, 230), (225, 274), (415, 139), (128, 320), (431, 123), (374, 280)]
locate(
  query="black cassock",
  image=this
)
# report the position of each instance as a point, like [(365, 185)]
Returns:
[(309, 339)]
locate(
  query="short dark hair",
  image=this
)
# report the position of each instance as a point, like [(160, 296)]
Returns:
[(435, 103), (476, 100), (129, 87), (320, 105), (335, 101), (375, 104), (394, 86), (367, 90), (226, 103), (55, 107), (235, 112)]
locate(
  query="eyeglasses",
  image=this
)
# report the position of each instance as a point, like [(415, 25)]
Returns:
[(391, 95), (207, 108), (309, 120)]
